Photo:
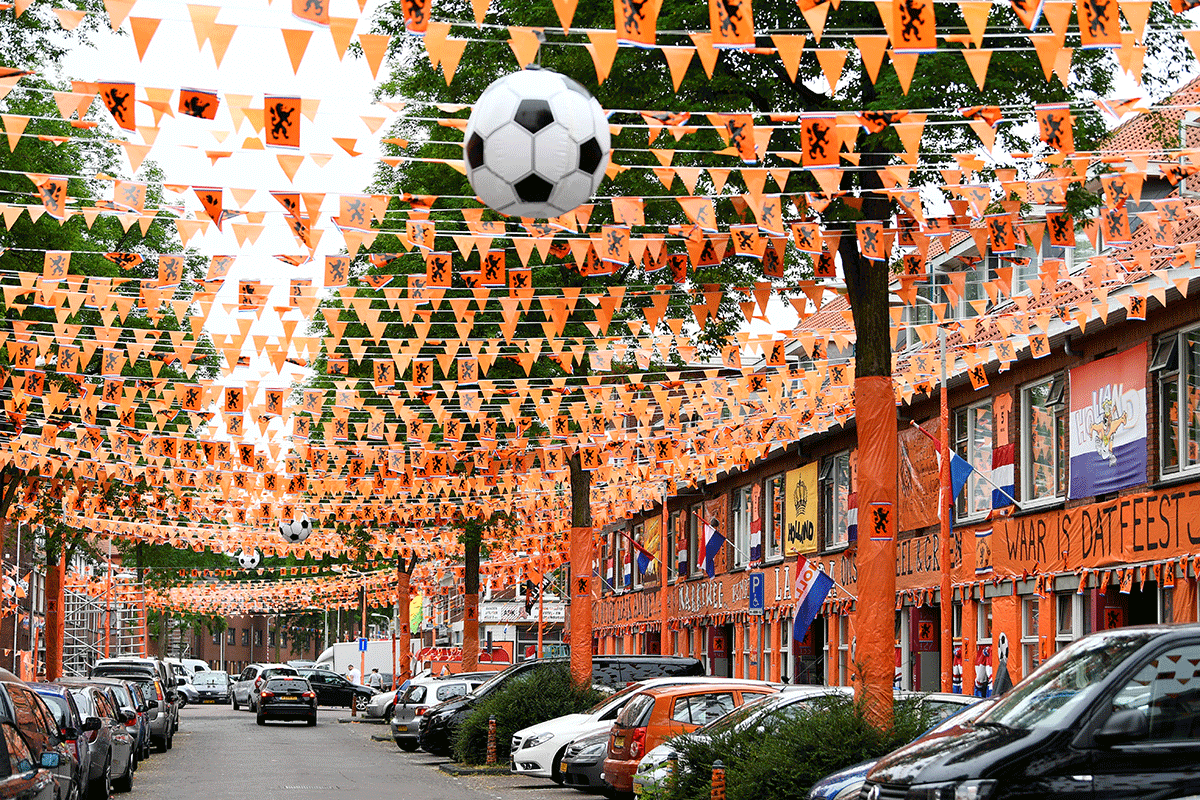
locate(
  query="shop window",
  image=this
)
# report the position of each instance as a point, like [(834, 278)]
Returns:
[(739, 522), (1044, 440), (983, 622), (1176, 362), (639, 536), (748, 650), (675, 643), (765, 639), (693, 528), (773, 517), (835, 500), (973, 441), (1030, 653), (1073, 617), (671, 567), (956, 617), (787, 667)]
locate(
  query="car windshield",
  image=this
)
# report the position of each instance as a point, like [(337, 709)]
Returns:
[(618, 699), (1048, 697), (211, 679)]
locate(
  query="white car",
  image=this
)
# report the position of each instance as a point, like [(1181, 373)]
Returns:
[(380, 706), (538, 750)]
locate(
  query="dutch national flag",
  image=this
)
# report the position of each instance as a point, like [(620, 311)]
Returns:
[(713, 541), (1003, 476), (812, 587), (852, 517)]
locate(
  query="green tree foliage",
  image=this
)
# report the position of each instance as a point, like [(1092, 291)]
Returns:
[(545, 693)]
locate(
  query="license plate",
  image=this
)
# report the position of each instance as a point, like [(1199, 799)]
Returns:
[(618, 742), (562, 766), (402, 728), (290, 697)]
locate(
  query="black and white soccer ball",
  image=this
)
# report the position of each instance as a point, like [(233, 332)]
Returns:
[(249, 559), (296, 531), (536, 145)]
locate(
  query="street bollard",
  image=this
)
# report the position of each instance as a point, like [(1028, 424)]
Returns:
[(491, 751), (718, 781), (672, 770)]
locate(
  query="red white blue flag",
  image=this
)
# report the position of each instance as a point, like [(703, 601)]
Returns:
[(812, 587)]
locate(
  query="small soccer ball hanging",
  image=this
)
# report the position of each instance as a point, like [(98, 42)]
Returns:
[(536, 145), (297, 531), (249, 559)]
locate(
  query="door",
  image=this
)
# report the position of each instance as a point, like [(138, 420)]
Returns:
[(720, 642), (320, 688), (341, 691), (1166, 690)]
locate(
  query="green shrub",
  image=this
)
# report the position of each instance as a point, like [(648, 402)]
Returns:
[(784, 760), (543, 694)]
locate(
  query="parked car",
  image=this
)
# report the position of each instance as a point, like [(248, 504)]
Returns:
[(72, 728), (158, 682), (145, 706), (539, 749), (21, 709), (1109, 717), (27, 778), (187, 692), (104, 754), (334, 690), (847, 784), (252, 677), (654, 715), (213, 686), (438, 725), (127, 698), (288, 698), (419, 697), (582, 765)]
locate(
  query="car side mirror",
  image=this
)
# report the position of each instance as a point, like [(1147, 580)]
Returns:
[(143, 708), (127, 716), (51, 759), (91, 724), (1123, 726)]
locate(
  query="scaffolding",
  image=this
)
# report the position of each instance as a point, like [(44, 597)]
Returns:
[(122, 609)]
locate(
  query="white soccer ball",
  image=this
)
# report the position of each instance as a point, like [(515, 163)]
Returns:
[(249, 559), (297, 531), (536, 145)]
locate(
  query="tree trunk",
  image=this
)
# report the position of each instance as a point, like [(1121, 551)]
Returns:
[(875, 419), (581, 572), (470, 645)]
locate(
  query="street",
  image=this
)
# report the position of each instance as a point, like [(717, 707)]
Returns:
[(222, 753)]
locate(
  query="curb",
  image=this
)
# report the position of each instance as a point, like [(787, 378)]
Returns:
[(361, 721), (463, 769)]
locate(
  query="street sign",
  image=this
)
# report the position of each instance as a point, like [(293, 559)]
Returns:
[(555, 651), (758, 592), (362, 644)]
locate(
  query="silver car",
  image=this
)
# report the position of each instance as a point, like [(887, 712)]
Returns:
[(245, 689), (421, 694)]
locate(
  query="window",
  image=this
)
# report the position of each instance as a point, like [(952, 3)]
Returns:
[(271, 638), (672, 569), (693, 527), (1044, 440), (835, 500), (786, 667), (216, 638), (20, 759), (702, 709), (843, 650), (748, 651), (1159, 690), (1030, 654), (1177, 362), (245, 637), (231, 636), (639, 536), (983, 622), (773, 517), (739, 519), (956, 619), (258, 638), (973, 441), (1073, 618)]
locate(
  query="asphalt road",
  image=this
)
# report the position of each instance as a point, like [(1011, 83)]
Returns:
[(221, 753)]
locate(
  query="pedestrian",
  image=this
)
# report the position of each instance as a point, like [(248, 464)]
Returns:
[(375, 680), (353, 675)]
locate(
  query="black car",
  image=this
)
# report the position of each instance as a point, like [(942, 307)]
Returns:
[(286, 698), (334, 690), (583, 762), (1113, 716), (438, 725)]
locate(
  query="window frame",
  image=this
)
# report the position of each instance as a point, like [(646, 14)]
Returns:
[(965, 424), (774, 494), (1030, 638), (739, 528), (1174, 373), (1061, 460), (693, 529), (638, 535), (834, 517)]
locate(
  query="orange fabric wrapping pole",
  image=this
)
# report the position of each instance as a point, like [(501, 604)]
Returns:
[(470, 645), (875, 612), (581, 606), (663, 555), (404, 669), (946, 504), (55, 624)]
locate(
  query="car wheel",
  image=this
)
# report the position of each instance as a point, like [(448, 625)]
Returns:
[(102, 787), (125, 782), (408, 745), (260, 719), (555, 768), (252, 707), (236, 707), (183, 701), (361, 702)]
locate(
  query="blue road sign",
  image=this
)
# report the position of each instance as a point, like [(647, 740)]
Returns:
[(362, 644), (758, 593)]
